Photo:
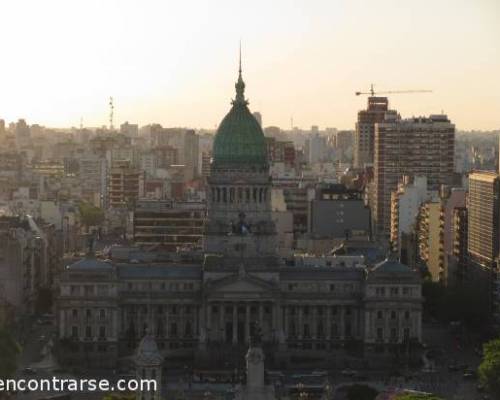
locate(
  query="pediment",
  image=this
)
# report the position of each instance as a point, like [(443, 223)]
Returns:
[(242, 285)]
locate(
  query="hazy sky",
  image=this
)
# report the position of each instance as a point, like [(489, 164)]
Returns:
[(175, 62)]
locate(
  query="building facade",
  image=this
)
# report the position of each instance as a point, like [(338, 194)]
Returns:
[(415, 146), (208, 311), (364, 135)]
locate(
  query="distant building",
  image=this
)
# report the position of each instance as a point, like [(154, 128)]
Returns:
[(258, 117), (125, 185), (23, 134), (364, 135), (171, 225), (338, 212), (414, 146), (129, 130)]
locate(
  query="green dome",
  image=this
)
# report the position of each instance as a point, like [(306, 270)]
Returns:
[(239, 139)]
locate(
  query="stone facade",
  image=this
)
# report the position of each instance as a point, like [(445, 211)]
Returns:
[(209, 311)]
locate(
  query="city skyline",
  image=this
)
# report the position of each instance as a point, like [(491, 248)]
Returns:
[(299, 61)]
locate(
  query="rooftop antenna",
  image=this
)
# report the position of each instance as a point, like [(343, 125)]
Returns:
[(239, 70), (81, 123), (111, 110)]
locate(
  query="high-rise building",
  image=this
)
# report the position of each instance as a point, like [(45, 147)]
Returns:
[(364, 134), (428, 238), (416, 147), (483, 217)]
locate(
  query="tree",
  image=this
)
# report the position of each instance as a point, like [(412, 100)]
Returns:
[(90, 215), (119, 397), (9, 349), (489, 370), (433, 293), (361, 392), (467, 303), (417, 396)]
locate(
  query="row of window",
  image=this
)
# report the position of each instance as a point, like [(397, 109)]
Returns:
[(89, 313), (89, 290), (88, 332), (393, 291), (393, 333), (174, 286), (172, 309), (239, 195), (320, 310), (320, 330), (332, 287), (393, 315)]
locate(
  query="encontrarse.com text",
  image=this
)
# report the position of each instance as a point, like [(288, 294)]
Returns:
[(77, 385)]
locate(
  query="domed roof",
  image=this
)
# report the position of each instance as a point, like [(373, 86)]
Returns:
[(147, 352), (239, 139)]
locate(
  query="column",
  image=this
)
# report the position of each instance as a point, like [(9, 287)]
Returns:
[(209, 322), (367, 325), (342, 322), (201, 324), (221, 322), (419, 326), (300, 326), (400, 327), (235, 323), (261, 317), (286, 323), (247, 323), (314, 327), (114, 330), (328, 332), (62, 324)]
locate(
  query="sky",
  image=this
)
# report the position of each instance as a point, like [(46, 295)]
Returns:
[(175, 62)]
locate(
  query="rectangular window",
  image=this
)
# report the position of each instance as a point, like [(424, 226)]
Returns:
[(88, 332), (89, 290), (102, 332), (74, 332)]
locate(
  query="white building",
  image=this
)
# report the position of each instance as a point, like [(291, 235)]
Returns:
[(405, 203)]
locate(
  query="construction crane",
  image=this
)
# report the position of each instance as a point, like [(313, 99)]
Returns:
[(372, 92)]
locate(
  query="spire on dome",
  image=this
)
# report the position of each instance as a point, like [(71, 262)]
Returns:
[(240, 87)]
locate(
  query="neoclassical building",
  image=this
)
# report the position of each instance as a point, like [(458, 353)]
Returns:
[(208, 310)]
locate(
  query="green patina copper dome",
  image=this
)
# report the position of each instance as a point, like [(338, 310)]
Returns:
[(239, 139)]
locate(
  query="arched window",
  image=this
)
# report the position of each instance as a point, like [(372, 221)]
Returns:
[(231, 195), (261, 192), (224, 195), (218, 195), (240, 195), (247, 195), (188, 330), (255, 195)]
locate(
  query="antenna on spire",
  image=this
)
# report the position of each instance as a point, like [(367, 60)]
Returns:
[(239, 70), (111, 110), (81, 123)]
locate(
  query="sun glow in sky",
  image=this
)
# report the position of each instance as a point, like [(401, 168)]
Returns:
[(175, 62)]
